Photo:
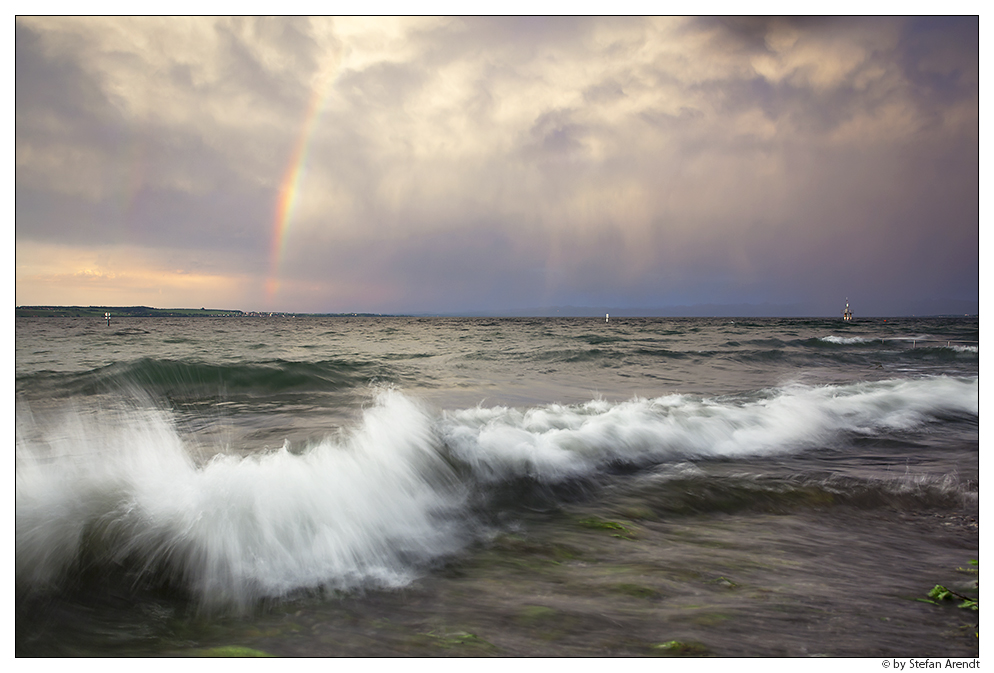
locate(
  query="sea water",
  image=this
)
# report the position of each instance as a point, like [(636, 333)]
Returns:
[(495, 487)]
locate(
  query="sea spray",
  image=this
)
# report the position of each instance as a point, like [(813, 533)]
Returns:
[(366, 511)]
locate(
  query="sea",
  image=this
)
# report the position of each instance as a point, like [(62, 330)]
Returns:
[(534, 487)]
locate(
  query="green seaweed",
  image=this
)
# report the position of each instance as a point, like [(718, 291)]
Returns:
[(682, 648), (233, 651), (597, 523), (536, 613), (457, 639), (943, 593)]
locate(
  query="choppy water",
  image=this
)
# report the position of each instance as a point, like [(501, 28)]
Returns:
[(362, 486)]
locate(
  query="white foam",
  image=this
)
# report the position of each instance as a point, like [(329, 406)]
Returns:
[(360, 510), (558, 442), (832, 339), (370, 507)]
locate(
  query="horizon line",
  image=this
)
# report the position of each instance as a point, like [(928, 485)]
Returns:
[(537, 312)]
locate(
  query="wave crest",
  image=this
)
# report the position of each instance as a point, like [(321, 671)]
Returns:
[(371, 507), (559, 442), (362, 510)]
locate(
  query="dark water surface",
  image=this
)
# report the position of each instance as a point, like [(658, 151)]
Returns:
[(495, 487)]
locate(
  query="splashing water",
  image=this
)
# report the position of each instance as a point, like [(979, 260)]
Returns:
[(372, 507)]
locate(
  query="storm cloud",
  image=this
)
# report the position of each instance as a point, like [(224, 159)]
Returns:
[(493, 164)]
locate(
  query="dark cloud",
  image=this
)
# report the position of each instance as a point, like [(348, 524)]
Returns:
[(246, 73), (554, 136), (751, 34), (608, 90)]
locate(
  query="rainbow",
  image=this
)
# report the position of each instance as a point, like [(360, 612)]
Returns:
[(292, 179)]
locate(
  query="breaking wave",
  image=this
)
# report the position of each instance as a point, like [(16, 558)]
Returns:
[(832, 339), (376, 505)]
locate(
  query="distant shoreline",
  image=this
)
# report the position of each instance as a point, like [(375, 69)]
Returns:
[(149, 312)]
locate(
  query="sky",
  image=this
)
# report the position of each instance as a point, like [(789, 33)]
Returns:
[(474, 165)]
